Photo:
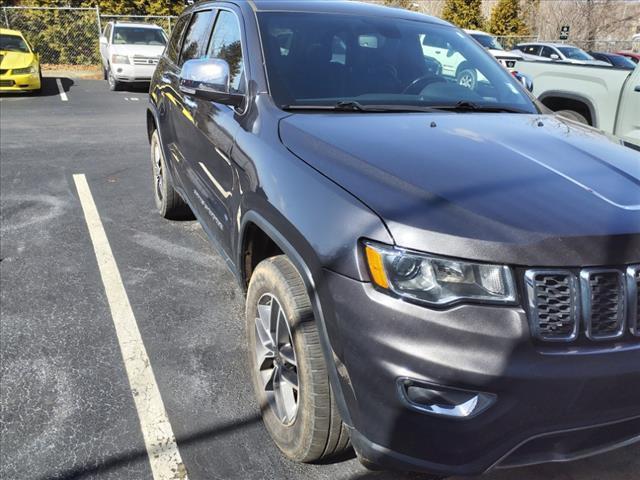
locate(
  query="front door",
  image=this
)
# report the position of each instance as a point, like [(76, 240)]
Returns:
[(209, 132)]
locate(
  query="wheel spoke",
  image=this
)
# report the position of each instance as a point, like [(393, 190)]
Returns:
[(274, 314), (288, 355), (290, 377), (268, 378), (288, 401), (280, 404)]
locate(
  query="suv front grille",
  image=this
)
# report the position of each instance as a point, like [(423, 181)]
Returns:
[(142, 60), (600, 302)]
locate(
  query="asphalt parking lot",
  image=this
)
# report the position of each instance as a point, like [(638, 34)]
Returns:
[(67, 409)]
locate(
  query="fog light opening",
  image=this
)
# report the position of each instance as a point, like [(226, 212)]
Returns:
[(443, 401)]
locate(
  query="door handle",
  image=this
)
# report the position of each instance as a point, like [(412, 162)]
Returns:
[(637, 89)]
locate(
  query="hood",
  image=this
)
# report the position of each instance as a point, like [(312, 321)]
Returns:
[(502, 54), (10, 60), (142, 50), (507, 188)]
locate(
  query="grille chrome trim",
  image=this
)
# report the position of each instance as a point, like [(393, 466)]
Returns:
[(587, 277), (633, 296), (534, 290)]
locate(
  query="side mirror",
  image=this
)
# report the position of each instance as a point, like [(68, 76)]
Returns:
[(103, 40), (209, 79), (555, 56)]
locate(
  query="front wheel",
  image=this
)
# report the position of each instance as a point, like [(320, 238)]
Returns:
[(467, 78), (114, 85), (288, 370)]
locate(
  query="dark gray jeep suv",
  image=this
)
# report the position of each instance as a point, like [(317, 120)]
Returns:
[(438, 274)]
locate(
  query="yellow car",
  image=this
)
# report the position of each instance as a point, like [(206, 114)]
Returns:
[(19, 64)]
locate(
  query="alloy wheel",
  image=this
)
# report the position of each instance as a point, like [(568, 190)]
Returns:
[(466, 80), (276, 359)]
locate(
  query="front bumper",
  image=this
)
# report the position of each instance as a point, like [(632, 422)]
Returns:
[(578, 399), (20, 83), (133, 73)]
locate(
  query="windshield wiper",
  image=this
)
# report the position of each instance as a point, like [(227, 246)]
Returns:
[(466, 106), (354, 106)]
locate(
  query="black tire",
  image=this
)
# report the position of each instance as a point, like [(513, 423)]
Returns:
[(316, 430), (168, 201), (114, 85), (467, 77), (573, 115)]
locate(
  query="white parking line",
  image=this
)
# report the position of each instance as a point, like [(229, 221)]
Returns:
[(164, 457), (63, 96)]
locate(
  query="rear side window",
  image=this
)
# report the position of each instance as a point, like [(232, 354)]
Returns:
[(173, 49), (531, 49), (226, 44), (195, 41)]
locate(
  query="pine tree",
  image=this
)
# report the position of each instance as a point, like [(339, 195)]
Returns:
[(464, 13), (506, 19)]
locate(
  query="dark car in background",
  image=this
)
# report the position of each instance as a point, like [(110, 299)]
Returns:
[(619, 61), (444, 277)]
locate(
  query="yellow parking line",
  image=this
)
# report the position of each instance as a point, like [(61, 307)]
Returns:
[(162, 449)]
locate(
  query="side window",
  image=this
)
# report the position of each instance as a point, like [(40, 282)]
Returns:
[(226, 44), (531, 49), (195, 41), (173, 49), (546, 52)]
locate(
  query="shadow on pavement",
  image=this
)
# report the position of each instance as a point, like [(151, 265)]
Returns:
[(49, 88), (103, 465)]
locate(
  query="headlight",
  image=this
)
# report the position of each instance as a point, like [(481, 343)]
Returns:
[(23, 71), (438, 281), (119, 59)]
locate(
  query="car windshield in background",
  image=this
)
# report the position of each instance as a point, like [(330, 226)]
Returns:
[(138, 36), (327, 60), (487, 41), (622, 62), (13, 43), (575, 53)]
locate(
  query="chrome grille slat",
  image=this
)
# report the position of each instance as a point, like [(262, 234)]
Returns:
[(603, 303), (142, 60)]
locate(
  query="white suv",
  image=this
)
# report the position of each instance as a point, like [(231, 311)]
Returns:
[(443, 60), (130, 52)]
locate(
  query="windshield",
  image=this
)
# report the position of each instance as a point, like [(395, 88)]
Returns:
[(13, 43), (575, 53), (623, 62), (487, 41), (323, 59), (138, 36)]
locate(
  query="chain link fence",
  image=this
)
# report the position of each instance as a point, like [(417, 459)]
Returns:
[(66, 35)]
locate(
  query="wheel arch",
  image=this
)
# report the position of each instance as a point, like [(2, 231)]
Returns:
[(560, 100), (305, 267)]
